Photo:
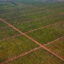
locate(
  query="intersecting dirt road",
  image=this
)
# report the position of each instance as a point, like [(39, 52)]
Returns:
[(22, 33)]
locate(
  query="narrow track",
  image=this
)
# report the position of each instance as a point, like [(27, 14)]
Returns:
[(44, 27), (22, 54), (14, 36), (54, 40), (22, 33)]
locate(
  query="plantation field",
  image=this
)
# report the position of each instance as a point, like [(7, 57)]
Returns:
[(31, 33)]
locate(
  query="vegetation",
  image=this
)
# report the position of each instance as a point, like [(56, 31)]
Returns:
[(28, 15)]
